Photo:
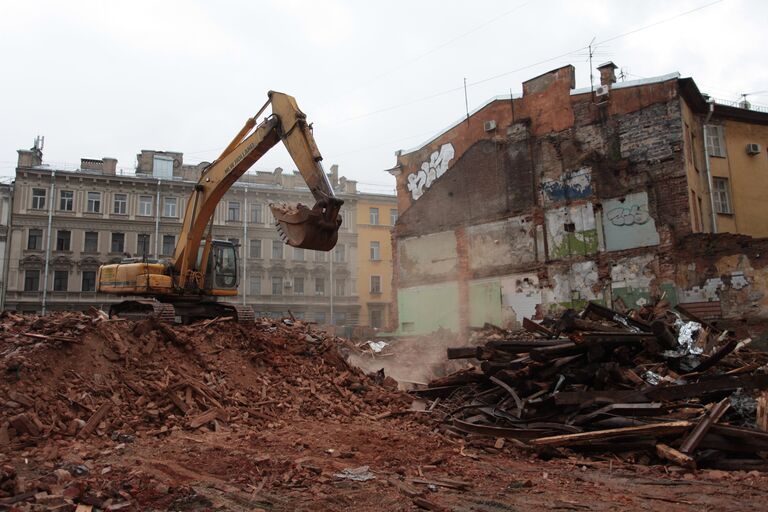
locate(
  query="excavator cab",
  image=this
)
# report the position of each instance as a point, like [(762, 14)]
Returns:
[(221, 272)]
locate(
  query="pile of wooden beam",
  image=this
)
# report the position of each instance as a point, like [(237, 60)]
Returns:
[(654, 385)]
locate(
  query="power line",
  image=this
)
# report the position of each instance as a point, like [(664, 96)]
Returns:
[(538, 63), (440, 46)]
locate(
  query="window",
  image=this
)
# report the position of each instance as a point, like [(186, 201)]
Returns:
[(256, 214), (320, 256), (89, 281), (35, 240), (145, 206), (162, 166), (255, 248), (277, 286), (94, 202), (298, 254), (169, 207), (319, 286), (715, 141), (339, 254), (373, 216), (60, 279), (31, 280), (121, 204), (66, 200), (341, 288), (375, 251), (277, 250), (298, 286), (255, 284), (320, 317), (169, 244), (375, 317), (91, 242), (340, 318), (233, 211), (722, 195), (344, 219), (375, 284), (118, 242), (393, 216), (38, 198), (142, 244), (62, 240)]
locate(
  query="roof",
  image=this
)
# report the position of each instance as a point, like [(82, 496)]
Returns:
[(574, 92)]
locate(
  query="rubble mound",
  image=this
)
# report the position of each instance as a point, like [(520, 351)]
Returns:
[(75, 375)]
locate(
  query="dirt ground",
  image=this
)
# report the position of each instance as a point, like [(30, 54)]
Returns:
[(220, 417), (293, 468)]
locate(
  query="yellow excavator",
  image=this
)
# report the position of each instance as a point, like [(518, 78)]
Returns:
[(203, 269)]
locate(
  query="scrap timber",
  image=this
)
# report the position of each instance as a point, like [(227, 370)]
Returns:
[(654, 381)]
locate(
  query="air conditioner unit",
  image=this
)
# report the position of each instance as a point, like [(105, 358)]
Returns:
[(602, 91), (489, 126), (753, 149)]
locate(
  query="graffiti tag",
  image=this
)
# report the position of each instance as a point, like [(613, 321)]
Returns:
[(430, 170), (628, 215)]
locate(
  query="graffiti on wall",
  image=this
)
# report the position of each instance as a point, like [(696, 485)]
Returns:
[(628, 223), (430, 170), (571, 231), (573, 185)]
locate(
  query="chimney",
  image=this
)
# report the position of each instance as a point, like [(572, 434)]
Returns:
[(607, 73), (108, 165), (334, 175), (91, 164), (32, 157)]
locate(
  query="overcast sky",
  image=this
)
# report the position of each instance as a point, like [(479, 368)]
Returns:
[(109, 78)]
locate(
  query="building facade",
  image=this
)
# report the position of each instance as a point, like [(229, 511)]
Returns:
[(66, 223), (376, 215), (559, 196), (6, 194)]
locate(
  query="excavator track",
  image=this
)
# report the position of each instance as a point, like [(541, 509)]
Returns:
[(243, 314), (144, 308)]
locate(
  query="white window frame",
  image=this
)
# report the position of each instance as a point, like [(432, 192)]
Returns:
[(721, 191), (66, 201), (715, 140), (93, 203), (373, 216), (233, 211), (375, 250), (298, 290), (393, 216), (170, 205), (375, 288), (146, 205), (38, 199), (120, 204), (251, 252)]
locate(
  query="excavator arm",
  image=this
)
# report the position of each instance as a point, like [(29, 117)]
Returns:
[(315, 228)]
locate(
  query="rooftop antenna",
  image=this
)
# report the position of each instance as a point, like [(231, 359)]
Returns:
[(744, 103)]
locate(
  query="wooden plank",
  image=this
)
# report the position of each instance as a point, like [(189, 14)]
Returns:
[(178, 402), (598, 396), (462, 352), (531, 326), (652, 429), (716, 357), (667, 452), (95, 419), (762, 411), (726, 383), (701, 311), (208, 416), (715, 413)]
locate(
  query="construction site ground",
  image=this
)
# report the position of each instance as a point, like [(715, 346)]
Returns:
[(136, 416)]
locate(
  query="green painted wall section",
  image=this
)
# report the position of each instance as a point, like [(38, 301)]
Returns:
[(634, 297), (485, 303), (582, 243), (425, 309)]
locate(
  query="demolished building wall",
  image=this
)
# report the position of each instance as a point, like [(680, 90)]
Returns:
[(559, 197)]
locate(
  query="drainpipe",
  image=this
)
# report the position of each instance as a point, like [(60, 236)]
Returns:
[(157, 220), (48, 243), (244, 245), (713, 214), (7, 255)]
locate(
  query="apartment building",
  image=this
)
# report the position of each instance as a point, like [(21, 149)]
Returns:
[(376, 216), (68, 222)]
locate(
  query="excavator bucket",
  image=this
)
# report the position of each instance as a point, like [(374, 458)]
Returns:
[(314, 228)]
